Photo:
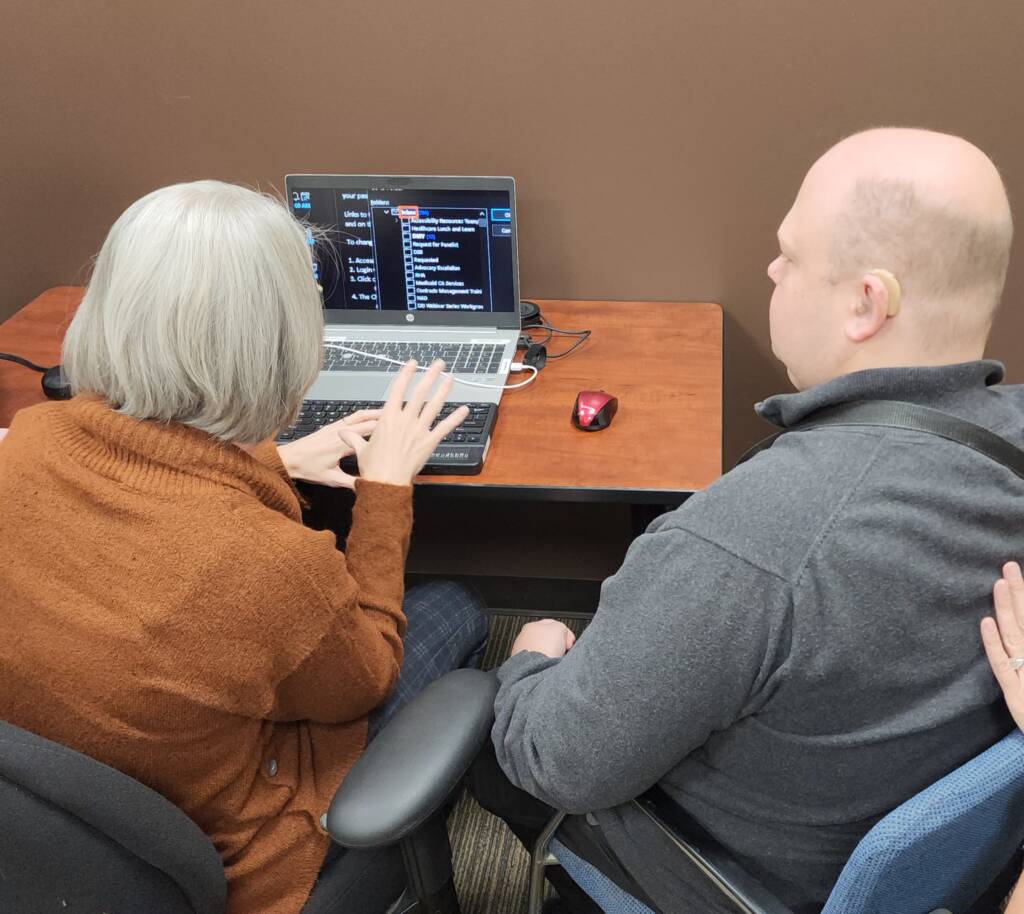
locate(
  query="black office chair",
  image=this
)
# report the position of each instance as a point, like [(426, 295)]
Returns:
[(78, 835), (81, 836)]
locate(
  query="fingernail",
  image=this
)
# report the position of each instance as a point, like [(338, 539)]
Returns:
[(1012, 570)]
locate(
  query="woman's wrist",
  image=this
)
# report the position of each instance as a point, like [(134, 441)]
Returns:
[(285, 453)]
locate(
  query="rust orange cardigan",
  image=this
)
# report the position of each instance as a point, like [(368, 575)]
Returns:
[(165, 611)]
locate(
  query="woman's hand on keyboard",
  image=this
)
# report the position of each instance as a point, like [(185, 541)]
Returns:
[(315, 457), (404, 439)]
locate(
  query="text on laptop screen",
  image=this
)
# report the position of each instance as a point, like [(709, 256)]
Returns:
[(411, 250)]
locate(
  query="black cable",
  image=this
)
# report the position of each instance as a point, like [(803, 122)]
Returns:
[(526, 334), (543, 325), (7, 357), (583, 335)]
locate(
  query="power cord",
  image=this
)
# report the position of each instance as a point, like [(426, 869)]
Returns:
[(582, 337), (538, 322), (514, 367), (8, 357)]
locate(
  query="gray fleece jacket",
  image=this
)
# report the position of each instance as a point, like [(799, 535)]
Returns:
[(794, 651)]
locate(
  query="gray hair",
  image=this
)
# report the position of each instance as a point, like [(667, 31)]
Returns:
[(940, 256), (201, 309)]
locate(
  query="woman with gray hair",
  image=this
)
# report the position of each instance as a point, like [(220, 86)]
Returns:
[(167, 611)]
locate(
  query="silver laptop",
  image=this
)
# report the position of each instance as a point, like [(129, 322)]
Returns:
[(414, 267)]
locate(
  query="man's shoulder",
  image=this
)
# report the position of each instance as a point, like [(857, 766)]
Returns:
[(771, 509)]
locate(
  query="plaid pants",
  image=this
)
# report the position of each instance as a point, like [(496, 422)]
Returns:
[(447, 629)]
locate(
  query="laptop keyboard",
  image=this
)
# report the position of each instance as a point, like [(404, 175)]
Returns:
[(463, 358), (315, 414)]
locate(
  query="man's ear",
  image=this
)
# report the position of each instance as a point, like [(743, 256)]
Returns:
[(877, 299)]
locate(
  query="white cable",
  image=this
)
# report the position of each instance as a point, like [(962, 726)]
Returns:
[(515, 366)]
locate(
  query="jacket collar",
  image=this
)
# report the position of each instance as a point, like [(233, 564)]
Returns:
[(915, 385)]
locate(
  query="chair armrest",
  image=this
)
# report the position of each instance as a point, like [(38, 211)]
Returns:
[(415, 763), (713, 860)]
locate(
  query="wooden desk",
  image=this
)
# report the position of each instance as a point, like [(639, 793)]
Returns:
[(35, 333), (662, 360)]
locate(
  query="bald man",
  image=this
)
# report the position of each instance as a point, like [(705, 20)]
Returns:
[(794, 651)]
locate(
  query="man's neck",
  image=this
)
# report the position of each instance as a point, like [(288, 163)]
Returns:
[(924, 384), (865, 361)]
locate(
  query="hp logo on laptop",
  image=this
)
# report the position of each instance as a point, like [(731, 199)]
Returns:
[(410, 317)]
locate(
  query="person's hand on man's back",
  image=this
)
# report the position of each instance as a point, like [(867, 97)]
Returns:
[(1004, 642)]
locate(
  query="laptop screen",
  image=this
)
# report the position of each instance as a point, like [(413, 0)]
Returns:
[(411, 250)]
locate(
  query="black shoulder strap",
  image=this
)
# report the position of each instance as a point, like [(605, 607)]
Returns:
[(910, 416)]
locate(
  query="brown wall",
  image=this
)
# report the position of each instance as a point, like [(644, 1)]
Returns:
[(656, 144)]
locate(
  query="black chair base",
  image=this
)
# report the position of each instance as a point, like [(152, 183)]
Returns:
[(442, 902), (427, 855)]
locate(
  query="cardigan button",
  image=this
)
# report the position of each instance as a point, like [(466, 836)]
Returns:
[(271, 767)]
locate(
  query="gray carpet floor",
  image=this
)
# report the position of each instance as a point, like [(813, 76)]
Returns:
[(491, 866)]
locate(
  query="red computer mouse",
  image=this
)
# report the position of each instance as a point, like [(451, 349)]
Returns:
[(593, 410)]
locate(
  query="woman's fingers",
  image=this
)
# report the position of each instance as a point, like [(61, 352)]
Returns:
[(396, 396), (353, 439), (435, 403), (402, 437), (362, 415), (448, 425), (419, 394), (361, 428)]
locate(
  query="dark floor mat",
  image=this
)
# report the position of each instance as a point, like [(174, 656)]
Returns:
[(491, 866)]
